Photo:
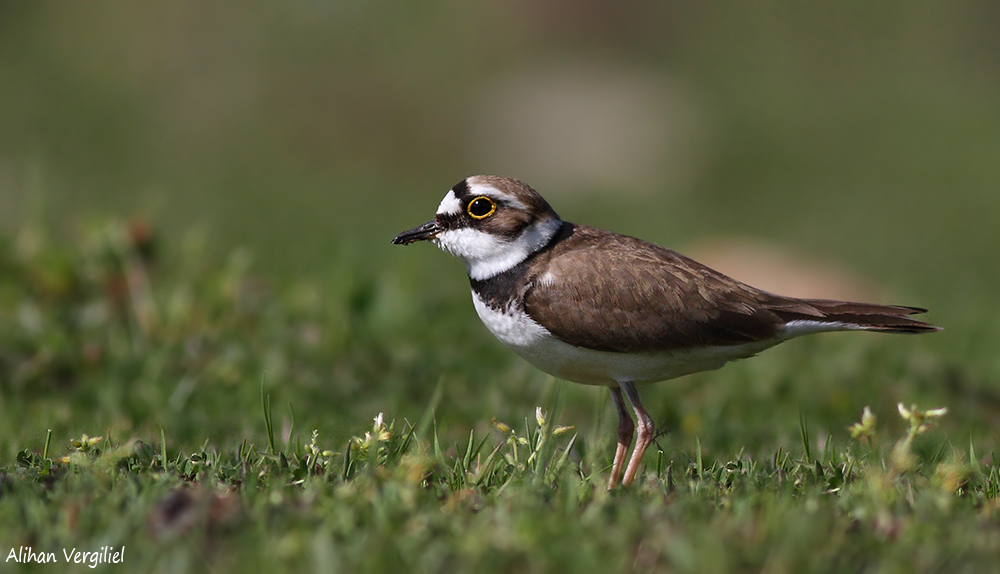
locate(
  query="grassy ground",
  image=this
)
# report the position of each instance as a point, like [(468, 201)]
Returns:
[(204, 417)]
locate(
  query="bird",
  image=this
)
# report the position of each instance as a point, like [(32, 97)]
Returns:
[(600, 308)]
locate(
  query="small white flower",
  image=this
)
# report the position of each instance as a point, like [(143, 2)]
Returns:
[(904, 412), (865, 428), (918, 419), (382, 432), (867, 418)]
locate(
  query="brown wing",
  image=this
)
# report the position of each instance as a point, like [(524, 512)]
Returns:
[(644, 297)]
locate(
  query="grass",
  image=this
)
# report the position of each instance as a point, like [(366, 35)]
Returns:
[(206, 419)]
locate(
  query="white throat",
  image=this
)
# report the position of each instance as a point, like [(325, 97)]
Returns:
[(486, 255)]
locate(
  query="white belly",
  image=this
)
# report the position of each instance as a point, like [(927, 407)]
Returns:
[(516, 330)]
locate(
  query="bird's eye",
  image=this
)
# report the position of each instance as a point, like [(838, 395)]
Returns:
[(481, 207)]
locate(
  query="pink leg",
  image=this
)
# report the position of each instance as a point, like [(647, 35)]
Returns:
[(644, 435), (625, 429)]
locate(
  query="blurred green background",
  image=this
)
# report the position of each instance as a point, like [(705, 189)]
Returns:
[(309, 133)]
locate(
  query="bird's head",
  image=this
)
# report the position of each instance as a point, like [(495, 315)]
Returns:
[(491, 223)]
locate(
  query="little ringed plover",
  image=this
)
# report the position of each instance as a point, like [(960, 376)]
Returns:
[(600, 308)]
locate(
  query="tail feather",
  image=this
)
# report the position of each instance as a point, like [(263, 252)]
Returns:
[(803, 316)]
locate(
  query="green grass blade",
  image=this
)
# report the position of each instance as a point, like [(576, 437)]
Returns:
[(804, 433)]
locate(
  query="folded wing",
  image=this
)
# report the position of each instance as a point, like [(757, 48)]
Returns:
[(650, 299)]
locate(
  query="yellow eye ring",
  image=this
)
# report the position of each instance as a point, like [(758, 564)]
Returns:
[(481, 207)]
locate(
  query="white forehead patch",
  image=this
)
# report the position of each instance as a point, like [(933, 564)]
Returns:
[(490, 191), (449, 205)]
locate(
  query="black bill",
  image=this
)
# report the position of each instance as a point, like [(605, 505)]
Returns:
[(425, 231)]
